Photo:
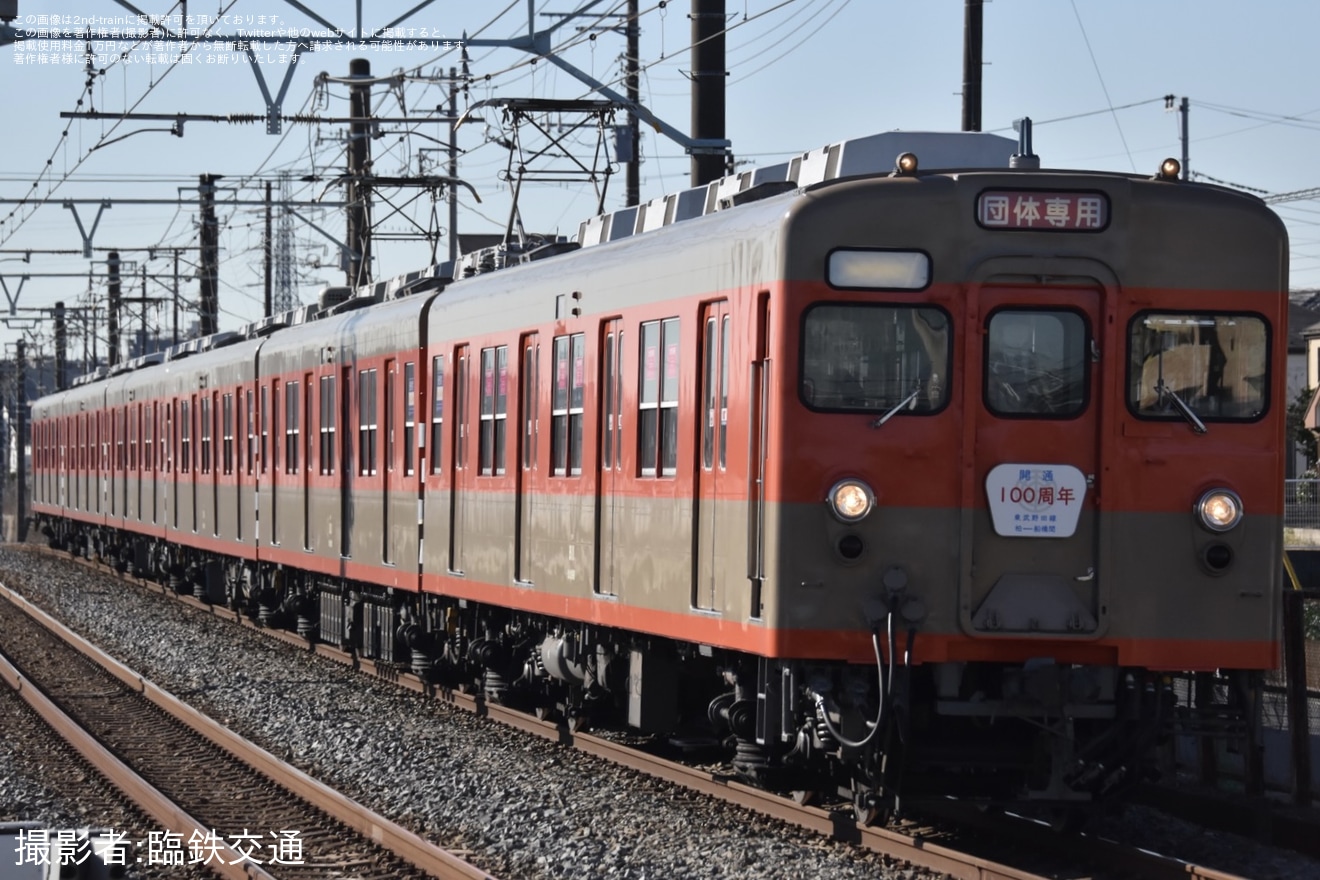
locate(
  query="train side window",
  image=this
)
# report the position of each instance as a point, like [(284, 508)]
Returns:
[(409, 417), (566, 405), (494, 408), (714, 427), (227, 432), (185, 436), (367, 426), (1213, 365), (274, 414), (531, 398), (1036, 363), (264, 418), (291, 427), (391, 408), (251, 431), (204, 413), (657, 417), (327, 424), (437, 411)]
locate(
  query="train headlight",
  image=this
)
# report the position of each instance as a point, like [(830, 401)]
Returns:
[(1219, 510), (851, 500)]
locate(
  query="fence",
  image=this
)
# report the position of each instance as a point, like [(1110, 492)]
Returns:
[(1263, 731), (1301, 513)]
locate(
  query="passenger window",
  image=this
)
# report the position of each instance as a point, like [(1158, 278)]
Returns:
[(1036, 363)]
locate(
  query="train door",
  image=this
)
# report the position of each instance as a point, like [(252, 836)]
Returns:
[(460, 474), (1034, 441), (305, 440), (712, 469), (525, 494), (345, 481), (610, 458), (389, 483)]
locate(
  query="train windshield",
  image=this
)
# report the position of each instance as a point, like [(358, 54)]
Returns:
[(1036, 363), (871, 358), (1217, 365)]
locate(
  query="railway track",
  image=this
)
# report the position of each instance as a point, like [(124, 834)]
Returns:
[(929, 845), (218, 800)]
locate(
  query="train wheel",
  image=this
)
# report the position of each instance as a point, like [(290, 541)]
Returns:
[(806, 797), (870, 807)]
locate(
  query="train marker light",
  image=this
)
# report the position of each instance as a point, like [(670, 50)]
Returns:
[(906, 163), (1170, 169), (1219, 510), (851, 500)]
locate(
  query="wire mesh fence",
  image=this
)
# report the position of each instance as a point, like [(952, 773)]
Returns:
[(1301, 513)]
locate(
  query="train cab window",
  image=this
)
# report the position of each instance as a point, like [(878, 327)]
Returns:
[(1036, 363), (437, 411), (1213, 366), (879, 359), (657, 418)]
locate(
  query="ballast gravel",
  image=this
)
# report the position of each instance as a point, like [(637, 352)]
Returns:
[(519, 807)]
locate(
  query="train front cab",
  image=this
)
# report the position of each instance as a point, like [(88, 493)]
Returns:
[(1050, 460)]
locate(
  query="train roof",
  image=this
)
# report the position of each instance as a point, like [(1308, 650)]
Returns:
[(873, 154)]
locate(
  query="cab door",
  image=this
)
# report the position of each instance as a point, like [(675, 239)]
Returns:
[(1032, 446)]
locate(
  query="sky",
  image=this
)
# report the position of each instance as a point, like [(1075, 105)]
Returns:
[(1092, 74)]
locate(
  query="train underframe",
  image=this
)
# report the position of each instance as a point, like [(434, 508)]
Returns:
[(886, 736)]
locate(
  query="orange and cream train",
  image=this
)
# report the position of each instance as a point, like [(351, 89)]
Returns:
[(905, 479)]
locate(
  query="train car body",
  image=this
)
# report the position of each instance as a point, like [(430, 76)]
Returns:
[(910, 483)]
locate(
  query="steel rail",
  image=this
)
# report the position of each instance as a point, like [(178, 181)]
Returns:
[(389, 835), (142, 793)]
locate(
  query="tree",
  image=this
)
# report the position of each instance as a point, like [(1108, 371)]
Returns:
[(1301, 436)]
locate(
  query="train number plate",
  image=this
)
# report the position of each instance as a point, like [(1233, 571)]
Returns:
[(1035, 500)]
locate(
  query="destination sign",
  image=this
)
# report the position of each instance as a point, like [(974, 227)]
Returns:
[(1042, 210)]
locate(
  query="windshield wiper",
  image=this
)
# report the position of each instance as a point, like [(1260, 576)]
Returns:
[(1161, 390), (902, 403)]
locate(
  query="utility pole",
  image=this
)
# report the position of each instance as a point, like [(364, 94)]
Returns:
[(1183, 109), (61, 348), (971, 108), (20, 439), (453, 158), (358, 270), (270, 258), (708, 87), (209, 267), (633, 182), (175, 340), (112, 320)]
